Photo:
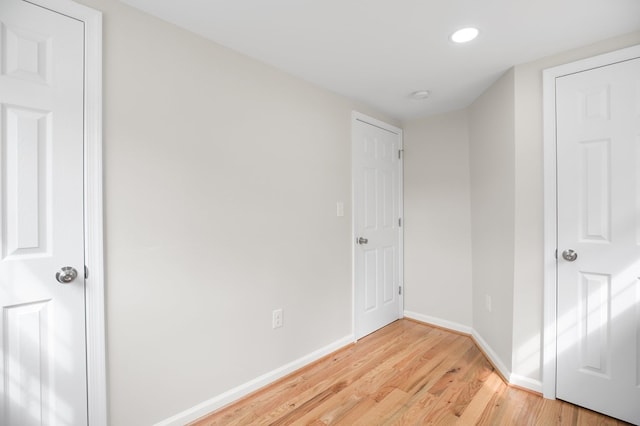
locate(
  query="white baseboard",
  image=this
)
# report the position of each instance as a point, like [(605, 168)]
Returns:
[(526, 382), (450, 325), (493, 356), (238, 392), (513, 379)]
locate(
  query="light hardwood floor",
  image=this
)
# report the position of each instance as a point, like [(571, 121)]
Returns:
[(407, 373)]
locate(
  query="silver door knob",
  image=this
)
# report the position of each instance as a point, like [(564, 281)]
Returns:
[(66, 275), (362, 240), (569, 255)]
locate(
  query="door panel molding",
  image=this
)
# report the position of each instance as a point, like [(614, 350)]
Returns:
[(550, 75), (93, 220)]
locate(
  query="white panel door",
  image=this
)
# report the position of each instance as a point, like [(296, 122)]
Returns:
[(598, 152), (42, 324), (377, 180)]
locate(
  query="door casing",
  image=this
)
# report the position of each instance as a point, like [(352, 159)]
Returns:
[(549, 364), (381, 124), (93, 221)]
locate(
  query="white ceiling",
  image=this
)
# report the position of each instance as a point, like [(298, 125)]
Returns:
[(379, 51)]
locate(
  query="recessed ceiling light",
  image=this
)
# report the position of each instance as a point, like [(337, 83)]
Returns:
[(464, 35), (420, 94)]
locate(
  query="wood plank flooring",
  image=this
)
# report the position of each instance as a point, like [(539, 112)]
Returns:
[(407, 373)]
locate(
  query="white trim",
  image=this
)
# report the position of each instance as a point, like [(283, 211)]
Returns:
[(251, 386), (550, 199), (493, 357), (245, 389), (550, 241), (513, 379), (525, 382), (449, 325), (353, 235), (358, 116), (94, 294), (355, 115), (401, 228)]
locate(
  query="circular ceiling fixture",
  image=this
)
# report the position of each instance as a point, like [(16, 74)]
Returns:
[(464, 35), (420, 95)]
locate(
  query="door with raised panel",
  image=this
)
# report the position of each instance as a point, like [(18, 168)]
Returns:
[(598, 158), (377, 198), (42, 324)]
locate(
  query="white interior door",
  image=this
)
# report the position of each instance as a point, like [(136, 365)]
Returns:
[(598, 160), (377, 174), (42, 357)]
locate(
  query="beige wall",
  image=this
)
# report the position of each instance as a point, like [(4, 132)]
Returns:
[(437, 218), (506, 176), (459, 213), (221, 181), (491, 139)]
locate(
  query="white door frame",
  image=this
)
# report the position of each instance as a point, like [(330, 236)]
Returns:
[(355, 115), (93, 229), (550, 202)]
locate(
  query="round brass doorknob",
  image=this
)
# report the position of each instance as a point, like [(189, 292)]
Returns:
[(66, 275)]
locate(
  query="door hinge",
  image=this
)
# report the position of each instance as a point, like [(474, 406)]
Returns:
[(400, 290), (400, 151), (400, 221), (86, 272)]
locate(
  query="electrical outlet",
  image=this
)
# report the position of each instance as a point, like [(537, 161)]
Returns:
[(277, 318), (487, 302)]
